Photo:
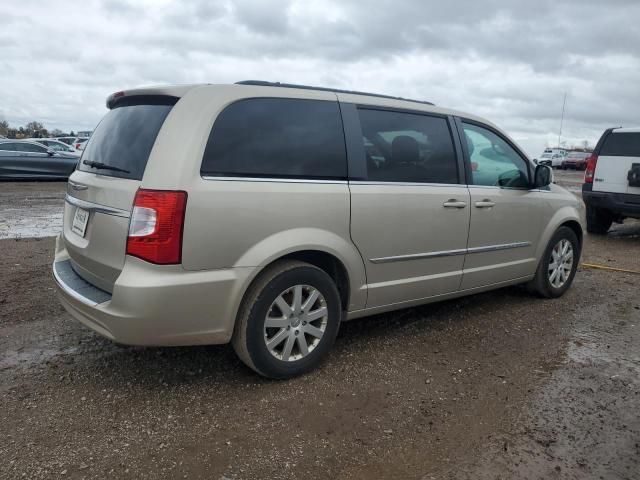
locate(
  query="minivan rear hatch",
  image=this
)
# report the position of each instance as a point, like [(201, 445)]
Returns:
[(102, 190)]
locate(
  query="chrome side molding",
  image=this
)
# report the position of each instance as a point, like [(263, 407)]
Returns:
[(450, 253), (493, 248)]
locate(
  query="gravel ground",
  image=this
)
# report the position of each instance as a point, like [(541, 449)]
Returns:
[(498, 385)]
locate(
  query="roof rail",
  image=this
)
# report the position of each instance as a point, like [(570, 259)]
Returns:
[(262, 83)]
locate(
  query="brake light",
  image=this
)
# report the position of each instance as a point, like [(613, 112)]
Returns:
[(155, 230), (590, 171)]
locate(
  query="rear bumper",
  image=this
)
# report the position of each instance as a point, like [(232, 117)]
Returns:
[(576, 165), (155, 305), (617, 203)]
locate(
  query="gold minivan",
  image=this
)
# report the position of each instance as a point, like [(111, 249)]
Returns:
[(265, 214)]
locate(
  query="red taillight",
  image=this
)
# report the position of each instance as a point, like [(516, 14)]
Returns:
[(590, 171), (155, 231)]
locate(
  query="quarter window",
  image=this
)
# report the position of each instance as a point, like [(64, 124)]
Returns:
[(9, 147), (407, 147), (493, 161), (278, 138)]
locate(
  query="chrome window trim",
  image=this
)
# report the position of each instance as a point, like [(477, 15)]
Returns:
[(450, 253), (405, 184), (71, 291), (272, 180), (517, 189), (95, 207), (497, 187)]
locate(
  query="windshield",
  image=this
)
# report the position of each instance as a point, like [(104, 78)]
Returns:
[(124, 138)]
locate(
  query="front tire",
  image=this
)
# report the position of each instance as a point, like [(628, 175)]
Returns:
[(288, 320), (598, 221), (558, 265)]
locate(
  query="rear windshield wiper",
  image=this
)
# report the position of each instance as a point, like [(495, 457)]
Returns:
[(104, 166)]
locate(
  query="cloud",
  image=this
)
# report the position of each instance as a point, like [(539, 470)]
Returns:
[(509, 61)]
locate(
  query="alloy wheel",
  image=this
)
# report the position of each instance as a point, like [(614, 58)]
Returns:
[(295, 323), (560, 263)]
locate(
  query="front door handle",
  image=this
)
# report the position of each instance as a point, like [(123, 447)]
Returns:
[(453, 203), (486, 203)]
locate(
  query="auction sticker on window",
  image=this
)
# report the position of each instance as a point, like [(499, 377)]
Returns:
[(80, 220)]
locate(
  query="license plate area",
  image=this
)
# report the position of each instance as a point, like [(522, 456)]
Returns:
[(80, 221)]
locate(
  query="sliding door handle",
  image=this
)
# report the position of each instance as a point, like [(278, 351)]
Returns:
[(453, 203), (486, 203)]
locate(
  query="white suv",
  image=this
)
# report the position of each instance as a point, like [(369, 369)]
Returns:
[(611, 189)]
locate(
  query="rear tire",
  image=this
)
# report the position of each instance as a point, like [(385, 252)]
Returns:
[(288, 320), (598, 221), (558, 265)]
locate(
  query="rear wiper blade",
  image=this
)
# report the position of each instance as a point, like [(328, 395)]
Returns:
[(104, 166)]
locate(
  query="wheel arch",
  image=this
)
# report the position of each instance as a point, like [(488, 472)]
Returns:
[(328, 251), (568, 217), (577, 229)]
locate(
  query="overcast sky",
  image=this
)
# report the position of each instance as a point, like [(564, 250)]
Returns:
[(509, 61)]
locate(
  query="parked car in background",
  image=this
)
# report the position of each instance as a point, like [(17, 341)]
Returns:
[(67, 140), (29, 160), (611, 189), (79, 143), (575, 160), (560, 151), (58, 146), (550, 159), (350, 204)]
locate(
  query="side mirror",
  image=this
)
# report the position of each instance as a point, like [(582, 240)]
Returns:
[(50, 152), (542, 177)]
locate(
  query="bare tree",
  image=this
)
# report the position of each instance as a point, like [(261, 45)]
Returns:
[(4, 128), (35, 129)]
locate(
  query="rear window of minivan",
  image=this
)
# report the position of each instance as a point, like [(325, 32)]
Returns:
[(123, 140), (277, 138), (621, 145)]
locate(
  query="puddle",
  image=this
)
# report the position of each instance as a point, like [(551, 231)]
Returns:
[(32, 221), (28, 357)]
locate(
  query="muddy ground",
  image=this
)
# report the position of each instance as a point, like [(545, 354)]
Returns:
[(498, 385)]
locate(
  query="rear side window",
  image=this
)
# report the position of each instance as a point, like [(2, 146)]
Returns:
[(31, 148), (278, 138), (407, 147), (121, 144), (621, 145)]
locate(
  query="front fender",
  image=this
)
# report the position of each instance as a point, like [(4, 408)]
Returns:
[(561, 216)]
